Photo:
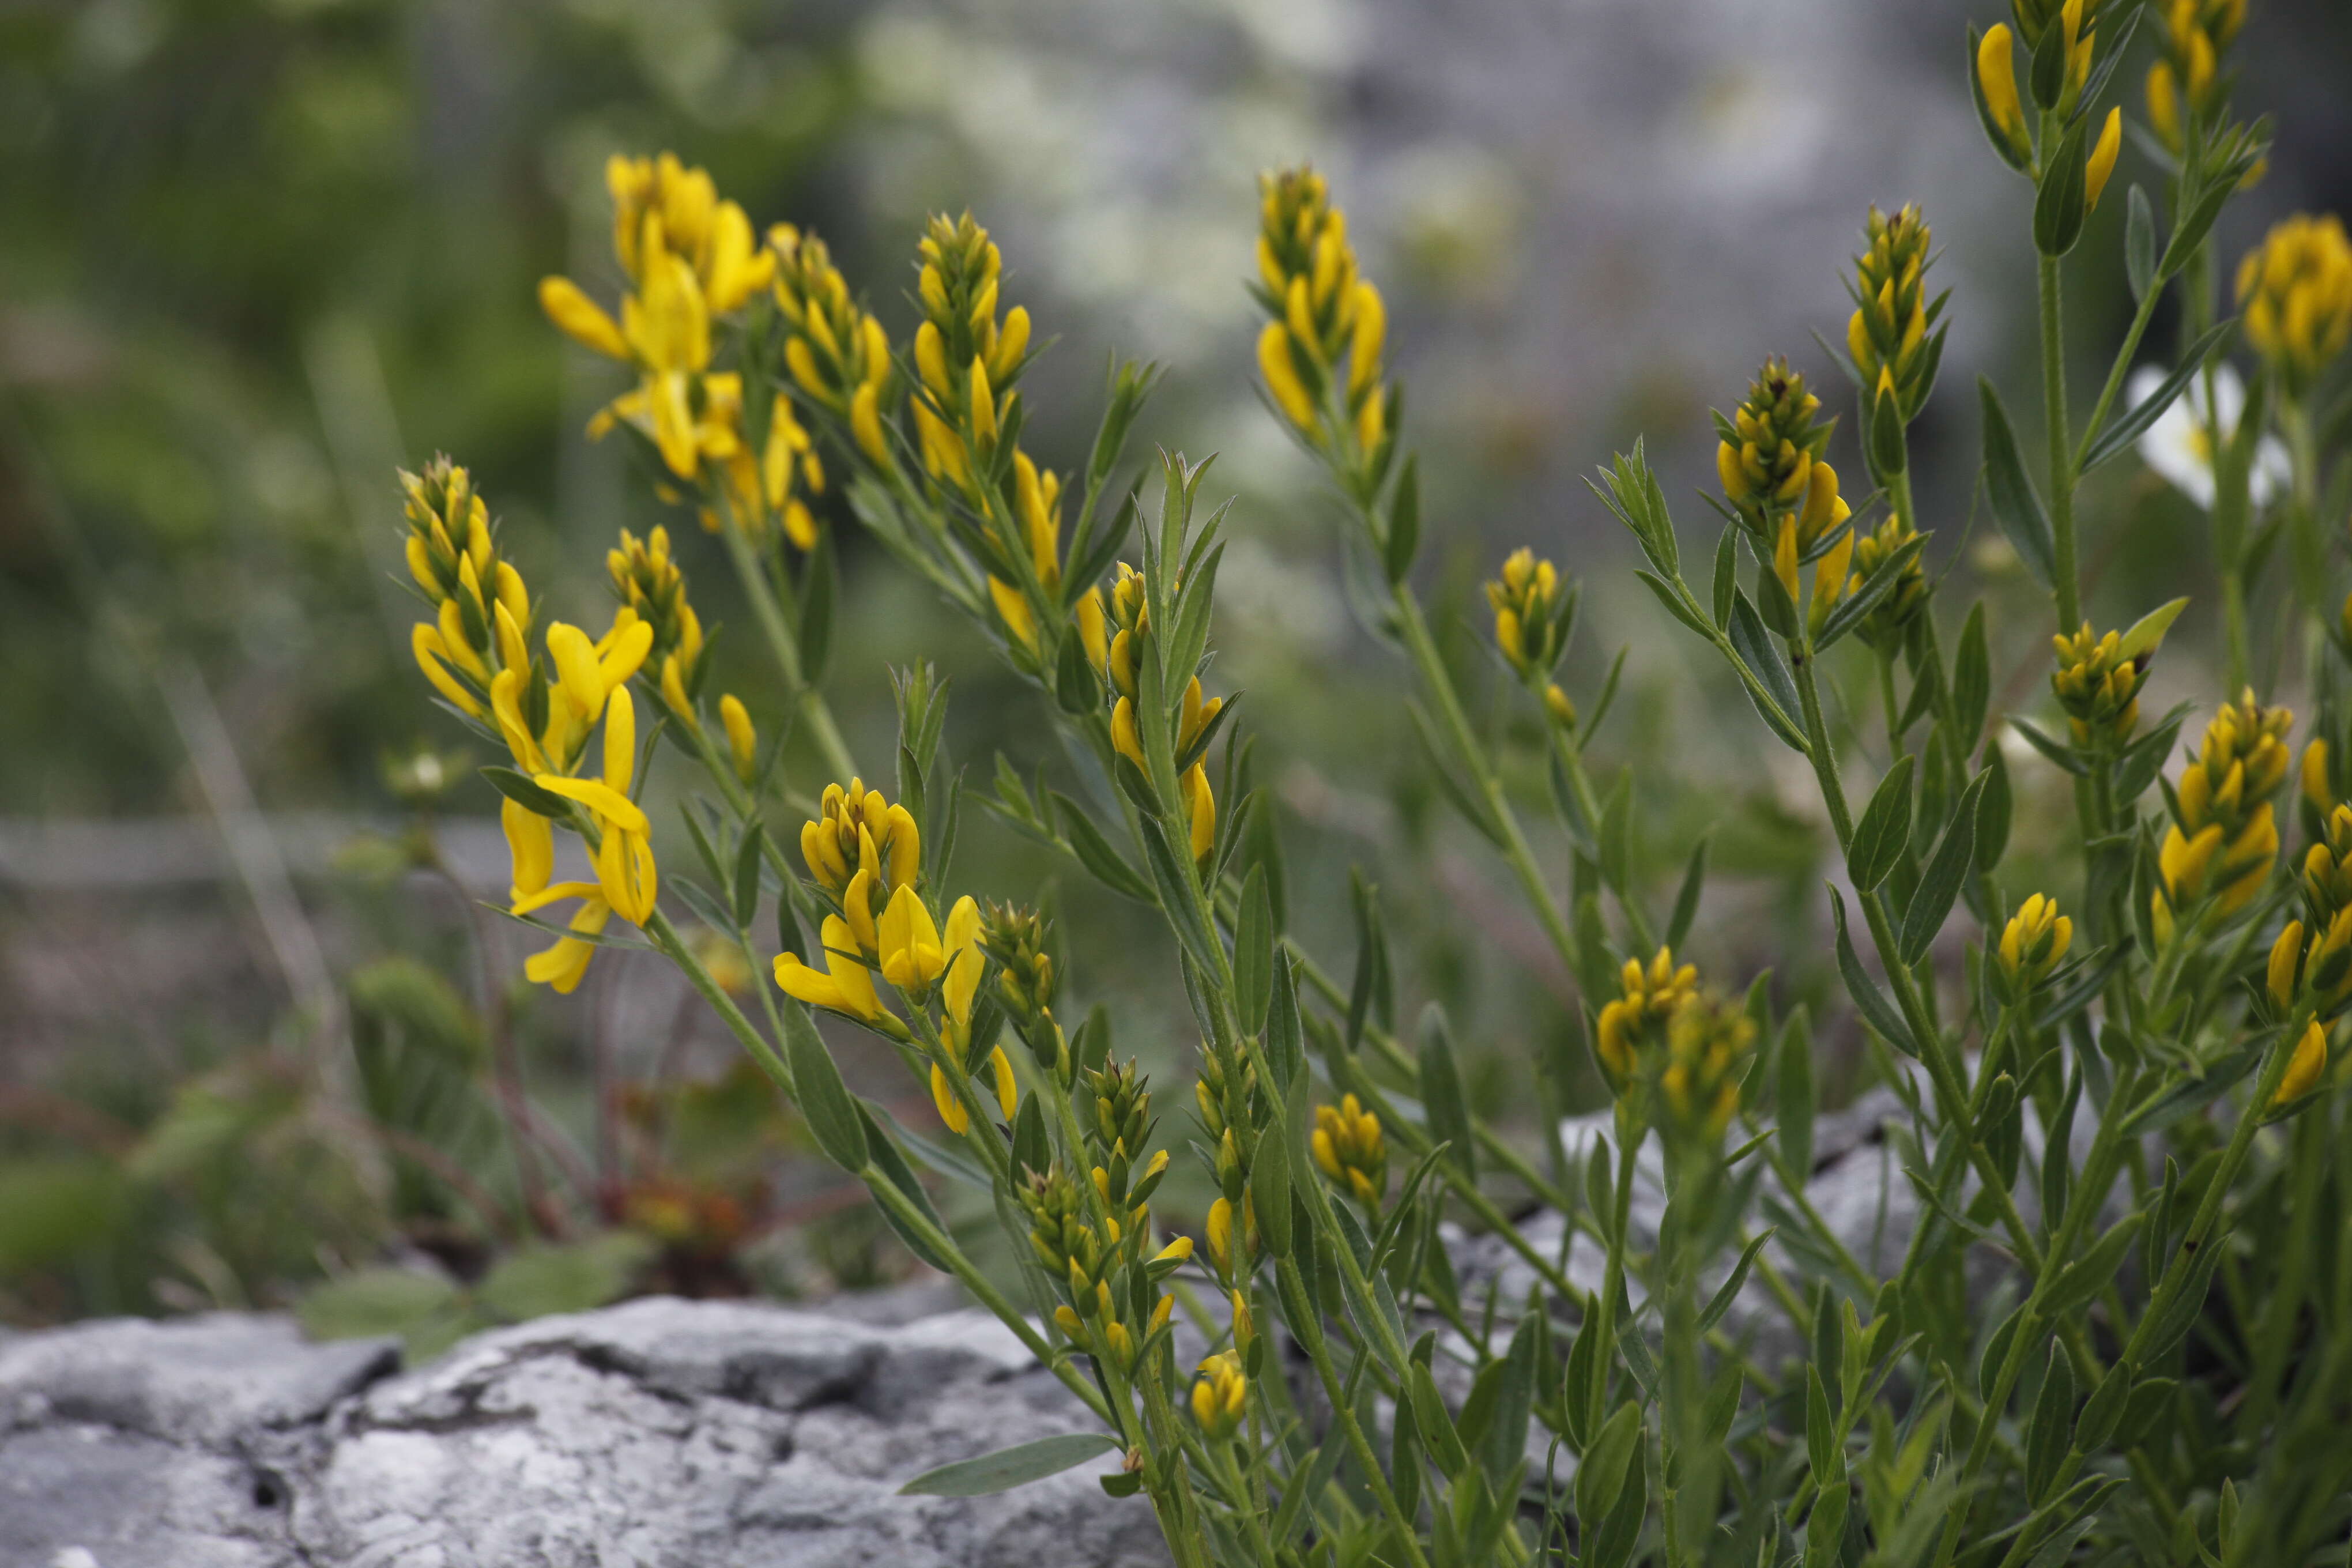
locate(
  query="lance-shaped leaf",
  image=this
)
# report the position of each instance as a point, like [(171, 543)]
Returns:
[(1868, 999), (1010, 1467), (825, 1101), (2015, 505), (1885, 828), (1939, 884)]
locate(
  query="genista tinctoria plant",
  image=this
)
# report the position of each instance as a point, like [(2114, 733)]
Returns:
[(2118, 1327)]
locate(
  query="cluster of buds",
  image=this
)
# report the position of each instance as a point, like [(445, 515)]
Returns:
[(481, 612), (838, 355), (1018, 940), (1532, 622), (476, 653), (2224, 837), (965, 404), (1647, 998), (965, 360), (1233, 1113), (646, 579), (2295, 290), (2067, 29), (1351, 1152), (1888, 332), (2098, 685), (1111, 1299), (2320, 966), (1220, 1397), (1122, 1122), (1117, 639), (1708, 1040), (690, 257), (2032, 944), (1884, 625), (1768, 456), (1320, 351), (2186, 79), (864, 855)]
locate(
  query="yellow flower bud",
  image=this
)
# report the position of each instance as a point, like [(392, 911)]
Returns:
[(1997, 76), (2102, 161), (2303, 1070)]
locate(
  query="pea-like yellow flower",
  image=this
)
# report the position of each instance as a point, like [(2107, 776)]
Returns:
[(625, 856), (2102, 161), (1647, 998), (1997, 81), (2224, 837), (1351, 1152), (742, 740), (2304, 1068), (1529, 620), (1220, 1397), (1708, 1040), (856, 829), (2032, 944), (837, 353), (2296, 292), (844, 985)]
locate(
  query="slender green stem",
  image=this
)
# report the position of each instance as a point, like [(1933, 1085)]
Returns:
[(1516, 852), (1309, 1334), (2062, 464), (807, 702), (2115, 372)]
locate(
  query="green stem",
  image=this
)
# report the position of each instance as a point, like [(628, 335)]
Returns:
[(1309, 1334), (2062, 467), (2115, 372), (808, 703), (1516, 852)]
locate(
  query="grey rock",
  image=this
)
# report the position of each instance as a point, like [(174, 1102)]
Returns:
[(660, 1432)]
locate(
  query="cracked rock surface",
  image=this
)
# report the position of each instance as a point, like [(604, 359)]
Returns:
[(657, 1432)]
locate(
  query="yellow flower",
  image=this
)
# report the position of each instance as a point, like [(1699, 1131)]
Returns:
[(2098, 685), (2224, 839), (2032, 943), (856, 829), (844, 985), (1707, 1042), (1350, 1151), (2295, 292), (1326, 326), (2303, 1070), (1889, 328), (662, 208), (1531, 626), (2102, 161), (530, 843), (741, 738), (1997, 78), (1220, 1397), (625, 856), (1646, 997)]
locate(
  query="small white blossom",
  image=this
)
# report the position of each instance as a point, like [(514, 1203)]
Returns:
[(2179, 445)]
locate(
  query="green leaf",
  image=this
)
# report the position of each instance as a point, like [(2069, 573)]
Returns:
[(1825, 1446), (2089, 1274), (374, 1302), (2053, 1422), (747, 876), (1777, 703), (2057, 750), (825, 1102), (2139, 244), (1010, 1467), (1285, 1044), (820, 590), (1253, 954), (517, 788), (2148, 631), (1673, 601), (1686, 899), (2015, 505), (1939, 884), (1405, 523), (892, 1164), (1728, 1291), (2058, 205), (1269, 1180), (1885, 828), (575, 1277), (1503, 1444), (1107, 865), (1888, 454), (1971, 680), (1868, 999), (1603, 1474), (2127, 428), (1445, 1444), (1442, 1100), (1727, 571)]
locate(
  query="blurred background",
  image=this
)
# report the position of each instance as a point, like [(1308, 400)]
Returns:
[(257, 255)]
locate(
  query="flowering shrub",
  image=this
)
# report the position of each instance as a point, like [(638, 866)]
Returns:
[(2161, 1371)]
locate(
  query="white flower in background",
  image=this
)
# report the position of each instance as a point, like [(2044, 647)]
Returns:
[(2179, 445)]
